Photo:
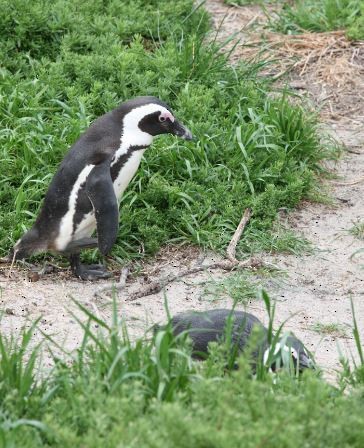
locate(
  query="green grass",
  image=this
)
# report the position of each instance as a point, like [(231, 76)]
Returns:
[(332, 329), (245, 2), (65, 64), (280, 239), (297, 16), (150, 393), (320, 16), (358, 230), (240, 286)]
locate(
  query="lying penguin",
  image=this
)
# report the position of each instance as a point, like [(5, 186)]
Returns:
[(84, 193), (213, 325)]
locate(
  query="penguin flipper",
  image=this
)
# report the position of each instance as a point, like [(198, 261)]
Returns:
[(100, 190), (83, 243)]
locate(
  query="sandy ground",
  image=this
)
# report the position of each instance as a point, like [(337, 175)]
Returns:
[(316, 288)]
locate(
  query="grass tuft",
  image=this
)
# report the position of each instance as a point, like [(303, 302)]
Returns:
[(149, 392), (353, 370), (332, 329), (18, 368), (358, 230), (321, 16), (294, 17), (239, 286)]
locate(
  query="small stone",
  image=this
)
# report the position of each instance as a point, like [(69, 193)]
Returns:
[(297, 84), (10, 311), (33, 276)]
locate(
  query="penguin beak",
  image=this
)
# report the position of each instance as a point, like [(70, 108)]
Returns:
[(180, 130)]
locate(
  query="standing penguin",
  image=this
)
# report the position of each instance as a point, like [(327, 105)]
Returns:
[(85, 191), (214, 325)]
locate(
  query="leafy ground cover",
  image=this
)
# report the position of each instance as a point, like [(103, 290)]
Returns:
[(65, 64), (358, 230), (151, 393), (315, 15), (320, 16)]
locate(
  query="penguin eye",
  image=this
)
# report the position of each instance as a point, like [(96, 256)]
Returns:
[(162, 118)]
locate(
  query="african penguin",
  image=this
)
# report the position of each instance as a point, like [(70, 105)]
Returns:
[(84, 193), (211, 325)]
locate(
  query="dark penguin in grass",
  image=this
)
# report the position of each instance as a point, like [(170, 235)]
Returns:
[(85, 191), (213, 326)]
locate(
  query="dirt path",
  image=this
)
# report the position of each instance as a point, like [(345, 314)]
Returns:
[(315, 290)]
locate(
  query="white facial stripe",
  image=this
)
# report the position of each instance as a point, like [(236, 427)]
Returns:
[(132, 135), (268, 351), (277, 349), (66, 226), (166, 115)]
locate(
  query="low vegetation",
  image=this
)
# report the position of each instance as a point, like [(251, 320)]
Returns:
[(240, 286), (358, 230), (65, 64), (320, 16), (332, 329), (150, 393), (293, 17)]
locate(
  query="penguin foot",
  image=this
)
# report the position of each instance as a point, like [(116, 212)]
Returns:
[(90, 272)]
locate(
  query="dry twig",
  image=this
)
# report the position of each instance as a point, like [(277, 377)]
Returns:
[(354, 182), (227, 265), (231, 250), (158, 285)]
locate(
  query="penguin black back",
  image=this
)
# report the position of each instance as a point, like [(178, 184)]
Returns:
[(212, 326)]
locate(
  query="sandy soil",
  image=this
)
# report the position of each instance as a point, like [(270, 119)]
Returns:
[(316, 288)]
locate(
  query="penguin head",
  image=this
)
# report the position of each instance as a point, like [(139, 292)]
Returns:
[(152, 116), (287, 348), (301, 357)]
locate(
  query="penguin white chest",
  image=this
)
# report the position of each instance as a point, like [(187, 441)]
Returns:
[(65, 234), (127, 172)]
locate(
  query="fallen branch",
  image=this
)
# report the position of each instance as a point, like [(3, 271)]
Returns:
[(231, 250), (12, 264), (352, 151), (158, 285), (227, 265)]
